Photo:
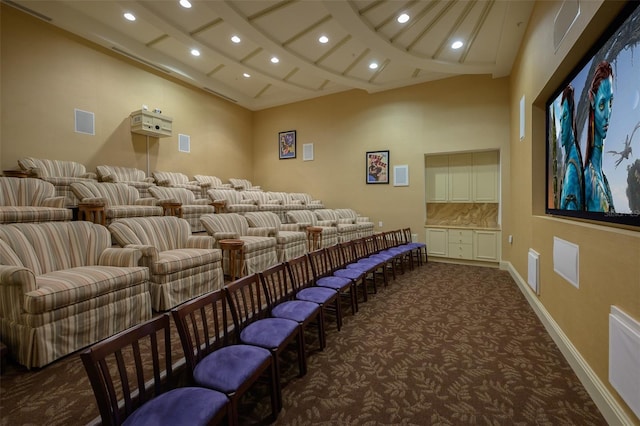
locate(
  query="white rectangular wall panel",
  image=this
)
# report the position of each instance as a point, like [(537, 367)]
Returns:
[(624, 357), (533, 262), (566, 260)]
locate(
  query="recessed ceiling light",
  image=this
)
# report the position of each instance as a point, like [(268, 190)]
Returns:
[(403, 18), (185, 3), (129, 16), (275, 60), (246, 75), (457, 44), (235, 39), (323, 39), (195, 52), (373, 65)]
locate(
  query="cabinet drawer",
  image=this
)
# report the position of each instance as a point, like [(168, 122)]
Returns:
[(460, 251), (460, 236)]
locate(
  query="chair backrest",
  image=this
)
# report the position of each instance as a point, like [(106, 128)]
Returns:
[(231, 196), (25, 192), (277, 283), (263, 220), (351, 251), (120, 174), (170, 178), (162, 232), (115, 194), (346, 214), (319, 262), (52, 246), (302, 216), (204, 325), (335, 258), (180, 195), (247, 301), (227, 222), (300, 272), (326, 214), (211, 181), (123, 367), (44, 168)]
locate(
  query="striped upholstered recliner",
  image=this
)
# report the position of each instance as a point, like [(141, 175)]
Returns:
[(259, 249), (120, 200), (291, 238), (233, 201), (347, 230), (365, 226), (191, 207), (129, 175), (64, 287), (307, 218), (30, 200), (182, 266), (58, 172), (178, 180)]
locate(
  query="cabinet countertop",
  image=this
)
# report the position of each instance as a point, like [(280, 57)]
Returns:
[(470, 227)]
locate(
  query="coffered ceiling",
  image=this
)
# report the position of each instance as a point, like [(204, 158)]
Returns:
[(358, 33)]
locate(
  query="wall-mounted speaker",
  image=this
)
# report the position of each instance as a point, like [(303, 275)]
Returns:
[(85, 122), (184, 143)]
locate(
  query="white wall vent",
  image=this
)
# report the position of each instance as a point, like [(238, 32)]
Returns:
[(85, 122), (184, 143), (624, 362), (533, 270)]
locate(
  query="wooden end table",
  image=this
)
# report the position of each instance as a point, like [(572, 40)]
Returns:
[(92, 212), (219, 206), (172, 209), (314, 238), (235, 254)]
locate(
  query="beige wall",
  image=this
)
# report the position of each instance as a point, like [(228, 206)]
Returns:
[(609, 258), (46, 73), (457, 114)]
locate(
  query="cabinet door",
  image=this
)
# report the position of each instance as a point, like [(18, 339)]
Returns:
[(485, 177), (437, 171), (460, 178), (486, 245), (437, 242)]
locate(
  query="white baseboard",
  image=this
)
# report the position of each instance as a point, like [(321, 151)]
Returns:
[(611, 410)]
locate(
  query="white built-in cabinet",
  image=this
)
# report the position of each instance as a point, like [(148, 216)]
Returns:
[(465, 244), (462, 178)]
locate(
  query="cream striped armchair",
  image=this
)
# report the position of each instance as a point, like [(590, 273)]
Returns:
[(129, 175), (182, 266), (30, 200), (365, 226), (191, 207), (291, 238), (60, 173), (120, 200), (178, 180), (232, 201), (259, 249), (306, 218), (347, 229), (64, 287)]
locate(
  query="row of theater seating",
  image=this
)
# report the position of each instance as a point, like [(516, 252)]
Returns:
[(34, 200), (53, 274), (62, 173), (234, 336)]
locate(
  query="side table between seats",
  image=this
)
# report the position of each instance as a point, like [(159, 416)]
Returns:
[(314, 238), (235, 253), (92, 212)]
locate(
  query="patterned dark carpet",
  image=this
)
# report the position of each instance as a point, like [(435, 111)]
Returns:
[(442, 345)]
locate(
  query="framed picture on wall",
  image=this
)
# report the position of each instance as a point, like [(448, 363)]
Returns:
[(377, 166), (287, 144)]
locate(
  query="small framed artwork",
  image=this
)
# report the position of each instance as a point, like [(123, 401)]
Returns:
[(377, 170), (287, 144)]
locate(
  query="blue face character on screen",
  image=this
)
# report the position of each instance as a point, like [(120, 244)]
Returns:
[(571, 197), (597, 191)]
